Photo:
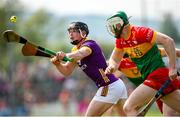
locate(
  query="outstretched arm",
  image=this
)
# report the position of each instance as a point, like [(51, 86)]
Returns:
[(65, 68), (80, 54), (68, 67)]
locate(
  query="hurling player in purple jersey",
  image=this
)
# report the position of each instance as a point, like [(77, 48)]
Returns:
[(89, 57)]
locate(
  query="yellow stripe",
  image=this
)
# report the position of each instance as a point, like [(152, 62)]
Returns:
[(104, 91), (87, 47), (117, 49), (153, 38), (139, 50), (74, 49), (105, 78), (131, 72)]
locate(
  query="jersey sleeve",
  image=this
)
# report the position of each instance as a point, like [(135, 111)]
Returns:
[(87, 48), (90, 45), (84, 46), (147, 34), (74, 49)]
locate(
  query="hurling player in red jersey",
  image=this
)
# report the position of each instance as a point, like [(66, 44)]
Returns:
[(129, 69), (140, 43)]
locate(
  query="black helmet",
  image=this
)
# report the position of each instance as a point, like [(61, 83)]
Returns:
[(79, 26)]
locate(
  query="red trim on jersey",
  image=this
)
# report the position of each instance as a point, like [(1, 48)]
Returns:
[(139, 35), (126, 63)]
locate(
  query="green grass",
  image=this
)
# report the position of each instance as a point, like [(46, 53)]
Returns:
[(153, 111)]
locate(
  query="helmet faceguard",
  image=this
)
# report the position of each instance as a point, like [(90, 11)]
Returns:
[(116, 23), (79, 27)]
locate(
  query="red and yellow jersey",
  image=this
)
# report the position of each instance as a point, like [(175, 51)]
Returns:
[(142, 50), (140, 42), (128, 68)]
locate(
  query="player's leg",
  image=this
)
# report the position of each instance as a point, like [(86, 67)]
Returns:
[(172, 100), (109, 112), (101, 103), (172, 94), (167, 111), (97, 108), (118, 108), (140, 96)]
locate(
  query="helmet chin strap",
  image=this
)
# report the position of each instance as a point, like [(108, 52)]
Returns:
[(75, 42), (82, 34)]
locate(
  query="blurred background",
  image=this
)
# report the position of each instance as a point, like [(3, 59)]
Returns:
[(32, 86)]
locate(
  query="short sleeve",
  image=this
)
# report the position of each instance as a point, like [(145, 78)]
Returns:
[(147, 34)]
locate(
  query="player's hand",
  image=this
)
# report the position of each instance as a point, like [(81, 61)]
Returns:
[(55, 60), (110, 69), (172, 73), (60, 55)]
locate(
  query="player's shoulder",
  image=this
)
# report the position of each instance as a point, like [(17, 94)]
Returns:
[(87, 42), (90, 42), (141, 31), (140, 28), (93, 45)]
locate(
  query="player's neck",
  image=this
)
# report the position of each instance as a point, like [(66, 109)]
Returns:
[(80, 43), (127, 31)]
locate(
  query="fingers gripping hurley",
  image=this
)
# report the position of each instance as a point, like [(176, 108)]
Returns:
[(31, 50)]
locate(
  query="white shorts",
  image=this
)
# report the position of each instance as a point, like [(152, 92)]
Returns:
[(116, 91)]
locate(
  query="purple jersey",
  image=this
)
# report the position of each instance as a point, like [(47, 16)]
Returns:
[(95, 64)]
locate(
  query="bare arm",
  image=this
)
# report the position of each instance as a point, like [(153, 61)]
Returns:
[(64, 68), (169, 46), (163, 52), (80, 54), (177, 52), (68, 67), (116, 56)]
